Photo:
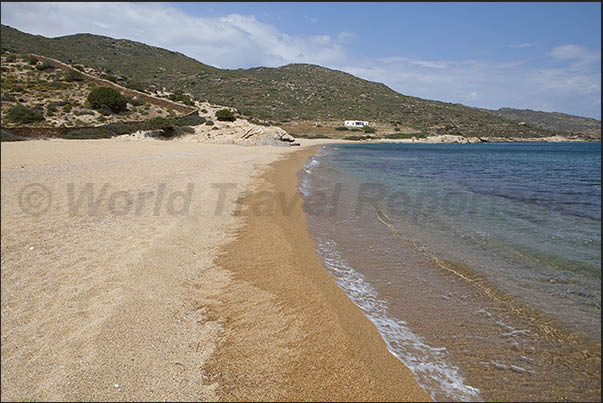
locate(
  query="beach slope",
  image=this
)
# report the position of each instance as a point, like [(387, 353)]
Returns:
[(111, 289)]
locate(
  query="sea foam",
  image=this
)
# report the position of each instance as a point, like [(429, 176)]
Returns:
[(431, 366)]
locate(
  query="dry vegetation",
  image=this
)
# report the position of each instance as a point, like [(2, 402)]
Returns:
[(62, 100)]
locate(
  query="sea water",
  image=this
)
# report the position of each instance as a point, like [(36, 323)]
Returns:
[(480, 265)]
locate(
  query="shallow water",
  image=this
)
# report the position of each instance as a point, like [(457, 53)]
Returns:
[(479, 264)]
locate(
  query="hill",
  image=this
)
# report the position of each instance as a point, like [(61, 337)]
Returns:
[(59, 95), (553, 120), (291, 93)]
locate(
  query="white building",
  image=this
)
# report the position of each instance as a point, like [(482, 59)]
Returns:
[(355, 123)]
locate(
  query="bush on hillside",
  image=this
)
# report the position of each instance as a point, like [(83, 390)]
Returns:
[(181, 98), (341, 129), (225, 115), (135, 85), (44, 66), (191, 120), (11, 59), (23, 115), (356, 138), (109, 77), (5, 135), (109, 97), (135, 101), (32, 60), (159, 123), (72, 75), (368, 129)]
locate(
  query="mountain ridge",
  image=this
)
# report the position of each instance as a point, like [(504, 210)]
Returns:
[(293, 92), (551, 120)]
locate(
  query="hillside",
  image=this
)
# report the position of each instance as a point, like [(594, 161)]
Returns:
[(553, 120), (59, 95), (296, 92)]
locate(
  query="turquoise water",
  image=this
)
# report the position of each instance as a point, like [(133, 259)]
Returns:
[(524, 217)]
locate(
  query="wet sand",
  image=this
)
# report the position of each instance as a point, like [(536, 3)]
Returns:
[(289, 332), (126, 301)]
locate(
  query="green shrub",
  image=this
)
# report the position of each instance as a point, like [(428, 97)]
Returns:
[(5, 135), (225, 115), (191, 120), (209, 122), (204, 110), (397, 129), (32, 60), (341, 128), (105, 110), (109, 77), (104, 131), (55, 85), (51, 109), (110, 97), (136, 101), (79, 67), (44, 66), (368, 129), (404, 135), (67, 108), (135, 85), (8, 98), (87, 133), (71, 75), (181, 98), (11, 59), (159, 123), (357, 138), (22, 114)]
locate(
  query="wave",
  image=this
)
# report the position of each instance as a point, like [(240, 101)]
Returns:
[(431, 366)]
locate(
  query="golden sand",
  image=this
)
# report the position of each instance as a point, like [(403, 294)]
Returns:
[(289, 332), (128, 303)]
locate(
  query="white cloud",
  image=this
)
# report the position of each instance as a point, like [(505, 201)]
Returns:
[(240, 41), (520, 84), (568, 52), (522, 45), (233, 41), (345, 36)]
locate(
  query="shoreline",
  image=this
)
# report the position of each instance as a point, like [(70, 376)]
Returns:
[(457, 308), (289, 332)]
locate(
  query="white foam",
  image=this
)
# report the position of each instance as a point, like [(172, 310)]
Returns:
[(311, 163), (304, 186), (431, 366)]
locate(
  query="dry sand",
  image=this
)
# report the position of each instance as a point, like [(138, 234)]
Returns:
[(129, 303)]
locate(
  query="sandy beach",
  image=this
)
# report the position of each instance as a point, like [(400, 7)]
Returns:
[(127, 274)]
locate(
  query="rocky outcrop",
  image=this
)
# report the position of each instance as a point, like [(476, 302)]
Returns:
[(238, 132)]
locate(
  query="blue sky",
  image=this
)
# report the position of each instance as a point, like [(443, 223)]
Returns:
[(542, 56)]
